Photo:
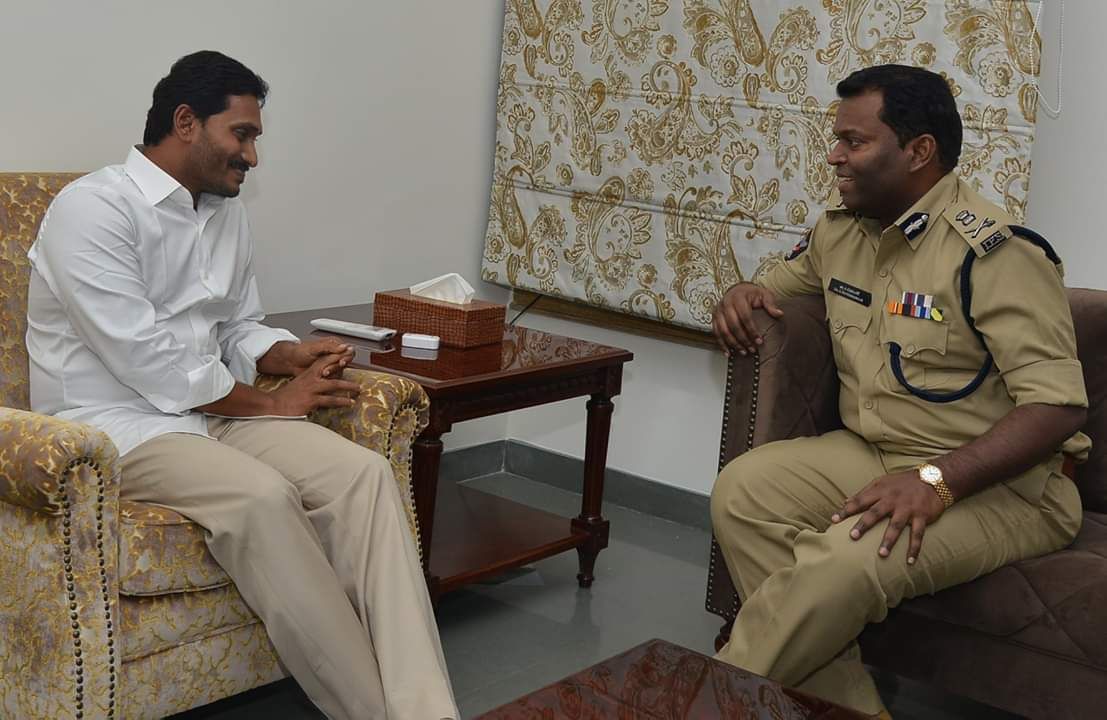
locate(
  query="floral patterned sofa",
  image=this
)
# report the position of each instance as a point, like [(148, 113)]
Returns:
[(114, 609)]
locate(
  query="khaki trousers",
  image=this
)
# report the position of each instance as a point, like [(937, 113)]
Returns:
[(311, 528), (808, 589)]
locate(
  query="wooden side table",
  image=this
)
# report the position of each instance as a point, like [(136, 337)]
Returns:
[(466, 534)]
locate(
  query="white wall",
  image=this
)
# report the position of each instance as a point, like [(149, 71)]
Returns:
[(1068, 195), (357, 142)]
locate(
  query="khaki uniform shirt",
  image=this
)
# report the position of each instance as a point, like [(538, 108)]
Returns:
[(1018, 303)]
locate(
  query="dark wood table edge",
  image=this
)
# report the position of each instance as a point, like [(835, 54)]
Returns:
[(826, 709)]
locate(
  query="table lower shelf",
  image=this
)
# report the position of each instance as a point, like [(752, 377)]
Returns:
[(478, 535)]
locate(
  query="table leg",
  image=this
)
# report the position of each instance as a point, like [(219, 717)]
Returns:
[(426, 457), (591, 520)]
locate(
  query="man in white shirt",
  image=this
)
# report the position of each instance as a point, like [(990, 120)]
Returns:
[(144, 321)]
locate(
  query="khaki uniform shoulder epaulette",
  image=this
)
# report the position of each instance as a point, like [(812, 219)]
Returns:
[(980, 223), (985, 226)]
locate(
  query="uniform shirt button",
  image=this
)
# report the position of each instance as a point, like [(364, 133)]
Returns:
[(910, 350), (838, 324), (884, 272), (868, 404)]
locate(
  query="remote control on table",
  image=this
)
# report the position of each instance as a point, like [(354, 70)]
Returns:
[(344, 327)]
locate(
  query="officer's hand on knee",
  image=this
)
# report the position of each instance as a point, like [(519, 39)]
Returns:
[(733, 320), (901, 497)]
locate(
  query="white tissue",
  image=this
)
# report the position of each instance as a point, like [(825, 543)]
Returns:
[(450, 287)]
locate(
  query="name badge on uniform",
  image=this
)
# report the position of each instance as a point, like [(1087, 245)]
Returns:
[(916, 305), (849, 292)]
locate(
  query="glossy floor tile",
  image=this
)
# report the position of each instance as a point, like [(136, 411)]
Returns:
[(533, 626)]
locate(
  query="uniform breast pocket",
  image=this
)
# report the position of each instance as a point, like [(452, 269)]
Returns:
[(848, 322), (922, 346)]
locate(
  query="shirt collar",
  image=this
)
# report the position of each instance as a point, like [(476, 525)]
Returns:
[(155, 184), (920, 217)]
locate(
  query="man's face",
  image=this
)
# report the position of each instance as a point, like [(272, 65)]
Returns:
[(872, 169), (226, 149)]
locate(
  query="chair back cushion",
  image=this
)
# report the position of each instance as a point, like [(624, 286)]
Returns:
[(24, 198), (1089, 316)]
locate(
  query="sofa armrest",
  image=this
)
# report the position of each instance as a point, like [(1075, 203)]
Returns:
[(59, 507), (788, 389), (390, 413), (36, 452)]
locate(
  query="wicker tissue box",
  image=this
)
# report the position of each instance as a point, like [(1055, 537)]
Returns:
[(474, 323)]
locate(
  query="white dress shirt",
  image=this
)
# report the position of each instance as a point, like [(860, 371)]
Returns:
[(140, 307)]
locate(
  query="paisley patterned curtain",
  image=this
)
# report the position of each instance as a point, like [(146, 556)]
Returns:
[(651, 153)]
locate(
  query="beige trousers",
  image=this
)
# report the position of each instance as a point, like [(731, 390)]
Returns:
[(808, 589), (311, 528)]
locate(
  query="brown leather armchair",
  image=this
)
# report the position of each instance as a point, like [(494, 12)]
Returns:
[(1030, 638), (113, 609)]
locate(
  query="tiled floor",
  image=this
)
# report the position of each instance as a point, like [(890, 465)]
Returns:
[(505, 638)]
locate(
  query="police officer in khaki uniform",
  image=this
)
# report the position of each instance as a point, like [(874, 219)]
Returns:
[(961, 397)]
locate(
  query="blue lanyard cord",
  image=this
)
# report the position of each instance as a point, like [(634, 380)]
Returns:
[(966, 307)]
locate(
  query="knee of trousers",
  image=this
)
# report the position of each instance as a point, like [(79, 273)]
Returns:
[(256, 504), (739, 492), (847, 577), (367, 470)]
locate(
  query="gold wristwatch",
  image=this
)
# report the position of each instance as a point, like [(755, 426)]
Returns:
[(932, 476)]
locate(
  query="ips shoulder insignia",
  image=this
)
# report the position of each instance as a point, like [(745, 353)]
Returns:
[(981, 224)]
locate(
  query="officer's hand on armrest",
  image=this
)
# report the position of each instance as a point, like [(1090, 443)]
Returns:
[(733, 321)]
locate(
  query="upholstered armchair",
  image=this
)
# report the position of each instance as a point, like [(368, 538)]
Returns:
[(1030, 638), (114, 609)]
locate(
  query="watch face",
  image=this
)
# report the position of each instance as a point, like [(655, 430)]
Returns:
[(930, 474)]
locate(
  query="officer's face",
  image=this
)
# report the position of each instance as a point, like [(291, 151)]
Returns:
[(872, 168)]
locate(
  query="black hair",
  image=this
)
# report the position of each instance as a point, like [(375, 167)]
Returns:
[(204, 81), (916, 102)]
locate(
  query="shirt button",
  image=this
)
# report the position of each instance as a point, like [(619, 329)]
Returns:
[(838, 324), (910, 350), (868, 404), (884, 272)]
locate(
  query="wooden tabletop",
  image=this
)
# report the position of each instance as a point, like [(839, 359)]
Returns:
[(660, 680), (523, 352)]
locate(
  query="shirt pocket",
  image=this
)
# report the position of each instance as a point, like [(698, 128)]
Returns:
[(947, 379), (848, 322), (923, 345)]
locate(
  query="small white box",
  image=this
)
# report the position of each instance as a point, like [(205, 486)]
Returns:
[(414, 353), (415, 340)]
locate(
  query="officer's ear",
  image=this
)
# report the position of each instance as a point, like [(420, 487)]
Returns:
[(921, 151)]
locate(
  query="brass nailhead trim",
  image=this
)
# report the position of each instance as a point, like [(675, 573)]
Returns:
[(104, 586), (749, 437), (67, 556), (756, 359)]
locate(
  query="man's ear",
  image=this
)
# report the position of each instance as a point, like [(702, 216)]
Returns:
[(922, 150), (185, 123)]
